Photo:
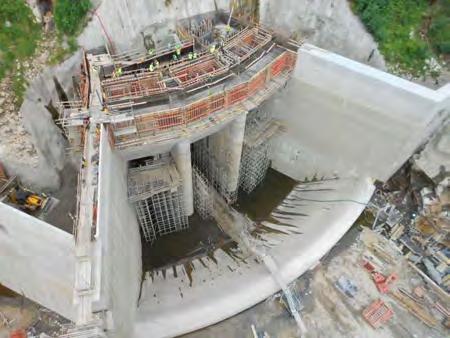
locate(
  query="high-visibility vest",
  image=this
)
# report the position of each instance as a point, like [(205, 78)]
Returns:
[(194, 55), (151, 67), (151, 51), (190, 56), (212, 48), (156, 63)]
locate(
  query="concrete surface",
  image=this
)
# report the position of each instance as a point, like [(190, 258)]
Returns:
[(181, 153), (119, 238), (37, 260), (328, 313), (223, 285), (342, 116)]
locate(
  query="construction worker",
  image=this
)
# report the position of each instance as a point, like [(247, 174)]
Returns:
[(178, 49), (228, 29), (194, 55), (118, 72), (190, 56), (156, 64), (151, 67), (151, 51), (174, 57), (212, 48)]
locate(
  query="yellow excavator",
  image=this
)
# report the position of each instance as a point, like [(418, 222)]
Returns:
[(27, 200)]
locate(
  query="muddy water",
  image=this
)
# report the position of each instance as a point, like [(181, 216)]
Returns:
[(203, 237), (259, 204), (181, 247)]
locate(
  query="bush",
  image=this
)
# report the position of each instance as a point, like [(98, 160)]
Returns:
[(439, 32), (70, 15), (396, 26), (19, 34)]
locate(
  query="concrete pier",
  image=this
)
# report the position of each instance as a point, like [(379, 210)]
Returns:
[(181, 154), (235, 140)]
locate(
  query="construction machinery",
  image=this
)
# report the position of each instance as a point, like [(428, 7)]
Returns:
[(27, 200)]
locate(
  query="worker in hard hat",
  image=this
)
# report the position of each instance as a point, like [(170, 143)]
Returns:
[(118, 72), (178, 50), (212, 48), (151, 67), (151, 51), (156, 64), (190, 56), (174, 57), (194, 55)]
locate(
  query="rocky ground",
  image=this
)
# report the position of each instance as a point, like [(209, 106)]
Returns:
[(16, 144), (330, 313)]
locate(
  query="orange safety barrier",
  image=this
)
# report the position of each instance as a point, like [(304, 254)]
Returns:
[(216, 102), (197, 111), (237, 94), (163, 120), (278, 65), (170, 119), (256, 83)]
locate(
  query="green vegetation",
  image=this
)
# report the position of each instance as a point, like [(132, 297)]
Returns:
[(70, 15), (439, 29), (409, 32), (70, 18), (19, 34)]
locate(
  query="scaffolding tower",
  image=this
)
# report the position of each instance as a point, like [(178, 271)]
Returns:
[(155, 189), (212, 169), (260, 127)]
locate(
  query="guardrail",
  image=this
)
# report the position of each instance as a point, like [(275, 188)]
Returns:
[(161, 122)]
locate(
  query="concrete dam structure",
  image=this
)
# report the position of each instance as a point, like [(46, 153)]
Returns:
[(206, 158)]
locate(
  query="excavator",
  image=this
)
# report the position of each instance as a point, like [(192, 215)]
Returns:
[(24, 199), (27, 200)]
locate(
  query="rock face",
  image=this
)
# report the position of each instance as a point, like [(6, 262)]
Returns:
[(122, 21), (329, 24)]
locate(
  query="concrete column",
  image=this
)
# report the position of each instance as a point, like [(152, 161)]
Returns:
[(181, 154), (234, 142)]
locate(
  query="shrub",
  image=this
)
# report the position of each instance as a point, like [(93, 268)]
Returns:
[(70, 15), (19, 33)]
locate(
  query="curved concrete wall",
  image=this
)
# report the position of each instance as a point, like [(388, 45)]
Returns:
[(37, 260)]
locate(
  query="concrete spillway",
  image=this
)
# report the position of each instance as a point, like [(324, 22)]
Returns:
[(334, 126)]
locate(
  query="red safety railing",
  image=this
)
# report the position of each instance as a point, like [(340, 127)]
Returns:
[(156, 122)]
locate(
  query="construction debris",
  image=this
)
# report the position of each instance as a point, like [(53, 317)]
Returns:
[(377, 313)]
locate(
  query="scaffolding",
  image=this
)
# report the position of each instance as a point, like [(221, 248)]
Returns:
[(203, 202), (155, 189), (260, 127), (212, 169)]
